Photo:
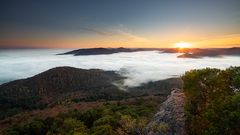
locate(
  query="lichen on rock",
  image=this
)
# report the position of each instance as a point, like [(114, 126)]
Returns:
[(170, 118)]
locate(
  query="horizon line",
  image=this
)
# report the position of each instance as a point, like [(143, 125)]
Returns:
[(116, 47)]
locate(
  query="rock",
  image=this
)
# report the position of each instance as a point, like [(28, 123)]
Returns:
[(170, 118)]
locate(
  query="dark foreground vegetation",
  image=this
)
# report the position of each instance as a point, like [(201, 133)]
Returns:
[(110, 119), (213, 101)]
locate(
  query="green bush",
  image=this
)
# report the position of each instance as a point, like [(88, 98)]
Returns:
[(212, 101)]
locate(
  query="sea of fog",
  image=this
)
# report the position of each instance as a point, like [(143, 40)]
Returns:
[(138, 67)]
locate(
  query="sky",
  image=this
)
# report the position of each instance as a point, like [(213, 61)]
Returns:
[(119, 23)]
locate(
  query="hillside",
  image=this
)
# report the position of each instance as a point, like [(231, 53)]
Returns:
[(161, 87), (55, 85), (68, 84)]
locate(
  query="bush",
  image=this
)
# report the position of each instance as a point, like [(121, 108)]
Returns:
[(212, 101), (103, 130)]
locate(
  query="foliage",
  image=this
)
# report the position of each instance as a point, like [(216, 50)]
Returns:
[(132, 126), (103, 130), (12, 106), (213, 101), (58, 85), (110, 119), (159, 128)]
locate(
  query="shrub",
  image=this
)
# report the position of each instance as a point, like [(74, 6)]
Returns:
[(212, 101)]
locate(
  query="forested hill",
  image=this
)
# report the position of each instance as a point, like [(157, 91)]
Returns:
[(55, 84), (60, 80), (73, 84)]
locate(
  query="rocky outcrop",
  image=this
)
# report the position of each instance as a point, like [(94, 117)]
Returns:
[(170, 118)]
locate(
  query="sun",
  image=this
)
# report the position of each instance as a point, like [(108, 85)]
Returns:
[(182, 45)]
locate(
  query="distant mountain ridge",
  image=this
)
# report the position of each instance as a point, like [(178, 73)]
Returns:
[(187, 52), (100, 51), (206, 52)]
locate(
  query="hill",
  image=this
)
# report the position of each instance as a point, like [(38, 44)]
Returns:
[(67, 84), (186, 52), (55, 85), (99, 51)]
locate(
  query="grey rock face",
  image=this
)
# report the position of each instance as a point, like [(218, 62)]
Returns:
[(170, 119)]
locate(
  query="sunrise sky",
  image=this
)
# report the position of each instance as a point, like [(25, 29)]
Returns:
[(119, 23)]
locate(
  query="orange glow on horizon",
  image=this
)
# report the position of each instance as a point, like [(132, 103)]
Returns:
[(91, 42), (182, 45)]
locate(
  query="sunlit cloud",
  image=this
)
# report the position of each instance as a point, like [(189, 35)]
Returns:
[(99, 32), (132, 37), (118, 33)]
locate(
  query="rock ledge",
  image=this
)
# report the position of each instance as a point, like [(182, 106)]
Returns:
[(170, 118)]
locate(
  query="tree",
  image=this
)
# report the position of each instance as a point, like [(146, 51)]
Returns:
[(103, 130), (130, 125), (212, 101), (72, 126), (36, 127)]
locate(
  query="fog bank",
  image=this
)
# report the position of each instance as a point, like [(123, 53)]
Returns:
[(138, 67)]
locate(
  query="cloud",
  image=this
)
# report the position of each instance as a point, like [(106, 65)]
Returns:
[(99, 32), (132, 37), (138, 67), (117, 33)]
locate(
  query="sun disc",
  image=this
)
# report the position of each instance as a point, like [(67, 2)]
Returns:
[(182, 45)]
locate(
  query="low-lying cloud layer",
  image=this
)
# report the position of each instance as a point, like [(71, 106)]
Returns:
[(138, 67)]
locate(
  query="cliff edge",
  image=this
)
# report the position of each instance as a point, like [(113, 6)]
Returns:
[(170, 118)]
